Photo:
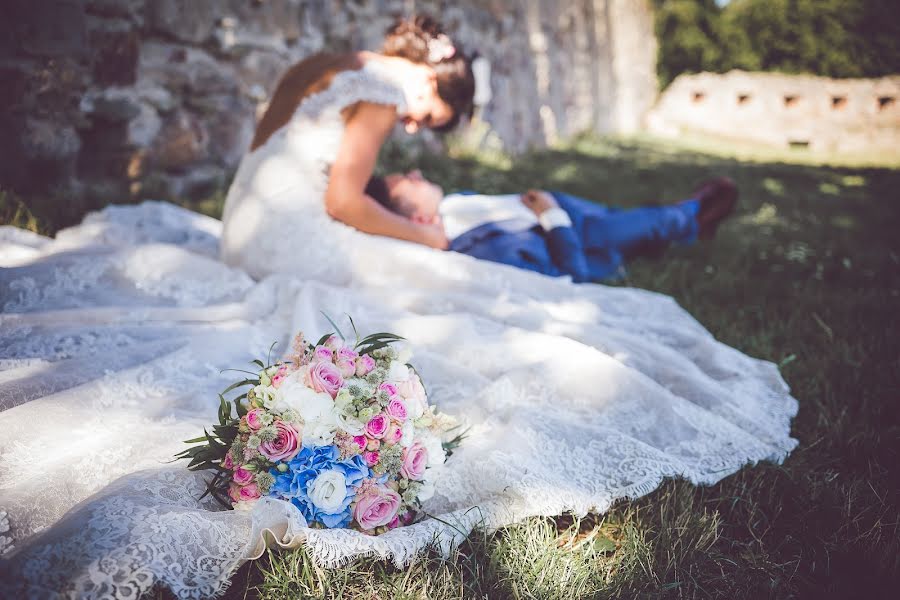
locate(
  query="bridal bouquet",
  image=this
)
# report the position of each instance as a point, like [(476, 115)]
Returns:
[(343, 432)]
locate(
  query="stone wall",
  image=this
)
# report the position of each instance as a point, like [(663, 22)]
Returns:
[(848, 116), (128, 98)]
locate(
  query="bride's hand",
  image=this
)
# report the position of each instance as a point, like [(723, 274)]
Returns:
[(433, 235)]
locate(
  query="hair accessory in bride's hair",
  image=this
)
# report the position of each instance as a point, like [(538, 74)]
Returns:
[(440, 48)]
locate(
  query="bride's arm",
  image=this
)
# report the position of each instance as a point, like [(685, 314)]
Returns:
[(367, 128)]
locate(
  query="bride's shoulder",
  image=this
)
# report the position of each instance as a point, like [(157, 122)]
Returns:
[(327, 78)]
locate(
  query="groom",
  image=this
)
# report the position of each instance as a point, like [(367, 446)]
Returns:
[(554, 233)]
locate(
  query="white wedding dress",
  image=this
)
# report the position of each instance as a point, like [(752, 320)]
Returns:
[(113, 336)]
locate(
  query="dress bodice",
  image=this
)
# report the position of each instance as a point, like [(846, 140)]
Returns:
[(279, 189)]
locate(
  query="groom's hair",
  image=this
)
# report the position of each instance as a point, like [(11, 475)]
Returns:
[(377, 188)]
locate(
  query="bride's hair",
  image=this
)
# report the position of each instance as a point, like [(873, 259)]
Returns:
[(421, 39)]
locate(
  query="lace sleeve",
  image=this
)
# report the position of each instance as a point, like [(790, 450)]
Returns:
[(369, 84)]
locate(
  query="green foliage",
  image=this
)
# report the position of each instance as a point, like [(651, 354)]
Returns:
[(837, 38)]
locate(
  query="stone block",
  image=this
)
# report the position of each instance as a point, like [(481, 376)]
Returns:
[(132, 10), (48, 28), (113, 105), (184, 70), (182, 141), (115, 47), (48, 140), (144, 128)]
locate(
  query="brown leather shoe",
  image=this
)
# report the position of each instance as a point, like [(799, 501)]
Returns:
[(717, 197)]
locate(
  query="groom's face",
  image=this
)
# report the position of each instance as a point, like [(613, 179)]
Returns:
[(414, 196)]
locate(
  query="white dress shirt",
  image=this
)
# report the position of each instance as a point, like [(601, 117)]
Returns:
[(462, 213)]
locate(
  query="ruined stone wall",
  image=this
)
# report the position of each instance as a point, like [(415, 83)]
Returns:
[(848, 116), (119, 98)]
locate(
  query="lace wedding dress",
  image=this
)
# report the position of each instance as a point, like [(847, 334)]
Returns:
[(113, 336)]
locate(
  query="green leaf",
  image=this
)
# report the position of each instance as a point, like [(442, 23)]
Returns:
[(269, 354), (355, 331), (324, 337), (253, 382), (336, 328)]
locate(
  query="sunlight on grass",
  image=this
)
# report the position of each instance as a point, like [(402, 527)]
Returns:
[(773, 186), (829, 188), (805, 276)]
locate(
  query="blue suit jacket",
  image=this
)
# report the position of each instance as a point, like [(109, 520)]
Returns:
[(592, 249)]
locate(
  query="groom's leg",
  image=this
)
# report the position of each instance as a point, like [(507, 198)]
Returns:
[(645, 231)]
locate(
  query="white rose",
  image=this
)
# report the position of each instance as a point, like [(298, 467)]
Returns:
[(414, 394), (397, 372), (328, 491), (409, 432), (315, 408)]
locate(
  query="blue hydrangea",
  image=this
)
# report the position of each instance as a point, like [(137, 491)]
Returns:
[(321, 485)]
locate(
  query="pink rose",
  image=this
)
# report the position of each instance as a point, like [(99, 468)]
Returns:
[(346, 367), (248, 492), (234, 492), (228, 461), (371, 458), (322, 354), (361, 441), (242, 476), (285, 445), (415, 459), (414, 393), (333, 342), (279, 377), (397, 410), (364, 364), (393, 435), (254, 418), (377, 426), (347, 354), (390, 388), (325, 377), (394, 524), (373, 445), (375, 507)]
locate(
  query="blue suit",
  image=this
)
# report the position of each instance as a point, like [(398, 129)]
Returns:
[(595, 247)]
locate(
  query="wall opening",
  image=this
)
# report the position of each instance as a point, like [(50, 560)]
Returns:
[(698, 97), (743, 99), (838, 102), (791, 100), (886, 102), (798, 144)]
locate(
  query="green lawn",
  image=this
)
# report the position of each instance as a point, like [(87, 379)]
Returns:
[(807, 274)]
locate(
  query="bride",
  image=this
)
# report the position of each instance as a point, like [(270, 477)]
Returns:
[(315, 148), (114, 334)]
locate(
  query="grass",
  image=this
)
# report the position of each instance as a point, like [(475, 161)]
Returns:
[(807, 274)]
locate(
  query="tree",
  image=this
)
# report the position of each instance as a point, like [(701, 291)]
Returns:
[(837, 38)]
